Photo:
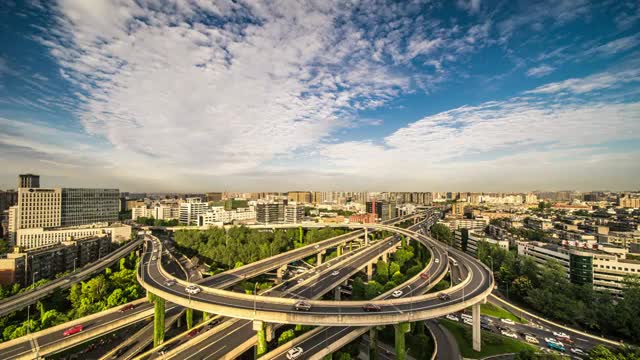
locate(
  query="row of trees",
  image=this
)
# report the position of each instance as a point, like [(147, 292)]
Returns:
[(548, 291), (116, 286), (157, 222), (227, 248)]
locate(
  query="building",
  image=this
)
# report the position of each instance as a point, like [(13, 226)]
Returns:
[(468, 241), (382, 210), (539, 224), (8, 199), (89, 206), (28, 181), (218, 215), (304, 197), (191, 209), (362, 218), (471, 224), (27, 266), (457, 209), (629, 202), (603, 266), (38, 208), (293, 213), (214, 196), (39, 237), (270, 213), (169, 211)]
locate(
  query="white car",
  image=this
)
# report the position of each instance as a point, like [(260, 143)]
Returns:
[(154, 257), (317, 247), (508, 321), (294, 353), (396, 293), (170, 282), (436, 261), (335, 273), (508, 333), (468, 321), (466, 316), (561, 335), (192, 289), (452, 317), (553, 341), (531, 339), (578, 351)]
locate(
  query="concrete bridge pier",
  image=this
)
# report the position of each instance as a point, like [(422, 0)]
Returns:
[(261, 334), (189, 317), (366, 237), (373, 343), (280, 273), (336, 292), (384, 257), (477, 341), (319, 261), (369, 271), (401, 329), (339, 249), (158, 320)]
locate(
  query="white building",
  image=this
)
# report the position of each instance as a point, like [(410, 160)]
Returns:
[(190, 210), (217, 214), (293, 213), (158, 211), (37, 237)]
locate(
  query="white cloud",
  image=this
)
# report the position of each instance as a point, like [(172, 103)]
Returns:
[(600, 81), (540, 71), (616, 46)]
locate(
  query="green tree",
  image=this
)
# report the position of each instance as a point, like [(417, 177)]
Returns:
[(372, 289), (441, 232), (286, 336)]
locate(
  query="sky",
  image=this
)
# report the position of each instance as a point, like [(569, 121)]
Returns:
[(197, 95)]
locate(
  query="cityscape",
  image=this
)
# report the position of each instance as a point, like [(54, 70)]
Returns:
[(412, 180)]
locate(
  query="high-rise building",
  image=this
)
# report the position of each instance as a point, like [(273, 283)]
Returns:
[(8, 199), (270, 213), (383, 210), (39, 208), (28, 181), (299, 196), (191, 209), (294, 212), (89, 206), (214, 196)]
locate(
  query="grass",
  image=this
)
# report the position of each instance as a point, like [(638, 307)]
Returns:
[(495, 311), (492, 344)]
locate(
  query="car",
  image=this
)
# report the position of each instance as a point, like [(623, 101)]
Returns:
[(508, 321), (561, 335), (466, 316), (294, 353), (154, 257), (397, 293), (550, 340), (73, 330), (555, 346), (166, 348), (578, 351), (300, 280), (424, 275), (436, 261), (302, 306), (335, 273), (192, 289), (565, 340), (390, 242), (126, 307), (508, 333), (444, 297), (531, 339), (452, 317), (317, 247), (170, 282), (371, 308), (467, 321), (194, 332), (485, 326)]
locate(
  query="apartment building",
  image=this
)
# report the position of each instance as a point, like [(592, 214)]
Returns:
[(468, 241), (157, 211), (191, 209), (270, 213), (293, 213), (218, 215)]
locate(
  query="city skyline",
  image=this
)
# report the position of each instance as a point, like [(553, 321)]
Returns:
[(182, 97)]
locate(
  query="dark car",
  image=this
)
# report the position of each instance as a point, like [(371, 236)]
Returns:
[(194, 332), (126, 308), (371, 308), (444, 297), (302, 306)]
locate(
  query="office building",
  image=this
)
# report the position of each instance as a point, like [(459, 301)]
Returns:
[(214, 196), (471, 224), (38, 237), (158, 211), (469, 240), (293, 213), (28, 181), (218, 215), (382, 210), (299, 196), (8, 199), (270, 213), (191, 209), (89, 206)]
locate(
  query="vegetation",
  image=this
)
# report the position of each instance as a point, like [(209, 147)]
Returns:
[(600, 352), (492, 344), (529, 234), (531, 354), (224, 248), (4, 246), (157, 222), (495, 311), (441, 232), (116, 286), (548, 291)]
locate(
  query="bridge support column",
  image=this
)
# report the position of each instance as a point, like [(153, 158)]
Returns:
[(336, 293), (384, 257), (477, 341), (340, 249), (319, 261), (271, 333), (366, 237), (261, 346), (205, 315), (189, 318), (401, 329), (369, 271), (158, 321), (280, 273), (373, 343)]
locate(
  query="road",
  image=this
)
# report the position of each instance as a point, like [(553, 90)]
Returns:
[(20, 301)]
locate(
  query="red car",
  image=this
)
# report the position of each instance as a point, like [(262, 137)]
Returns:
[(126, 307), (194, 332), (371, 308), (424, 276), (73, 330)]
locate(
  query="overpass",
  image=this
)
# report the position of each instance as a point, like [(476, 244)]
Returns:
[(473, 290), (20, 301)]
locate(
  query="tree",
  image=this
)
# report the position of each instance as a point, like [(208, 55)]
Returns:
[(382, 272), (441, 232), (372, 289), (357, 290), (521, 286), (286, 336)]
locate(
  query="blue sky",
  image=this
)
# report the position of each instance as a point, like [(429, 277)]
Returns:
[(192, 95)]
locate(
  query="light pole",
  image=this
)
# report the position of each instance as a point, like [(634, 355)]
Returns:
[(74, 264), (33, 277), (255, 297), (411, 300)]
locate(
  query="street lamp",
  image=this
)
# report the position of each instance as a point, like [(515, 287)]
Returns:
[(410, 300), (33, 277), (255, 297)]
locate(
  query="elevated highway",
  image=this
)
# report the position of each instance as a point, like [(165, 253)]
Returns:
[(22, 300)]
